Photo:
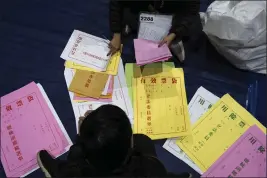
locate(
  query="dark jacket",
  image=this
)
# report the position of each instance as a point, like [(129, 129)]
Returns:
[(184, 13), (136, 164)]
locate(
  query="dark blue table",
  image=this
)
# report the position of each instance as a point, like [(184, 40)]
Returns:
[(33, 34)]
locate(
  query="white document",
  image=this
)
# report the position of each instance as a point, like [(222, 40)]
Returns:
[(87, 50), (58, 121), (154, 27), (120, 96), (178, 49), (199, 104)]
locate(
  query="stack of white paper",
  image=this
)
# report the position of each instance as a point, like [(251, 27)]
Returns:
[(87, 50)]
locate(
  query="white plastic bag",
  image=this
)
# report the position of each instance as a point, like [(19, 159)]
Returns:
[(237, 29)]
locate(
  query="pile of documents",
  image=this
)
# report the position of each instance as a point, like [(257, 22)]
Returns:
[(216, 137), (29, 123), (226, 140), (154, 27), (93, 71), (89, 86), (148, 52)]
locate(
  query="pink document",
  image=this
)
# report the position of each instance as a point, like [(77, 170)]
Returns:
[(109, 91), (149, 52), (245, 158), (29, 124)]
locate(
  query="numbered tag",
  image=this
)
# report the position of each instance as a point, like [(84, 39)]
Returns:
[(146, 18)]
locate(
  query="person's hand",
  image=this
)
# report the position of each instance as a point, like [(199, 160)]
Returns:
[(81, 119), (168, 39), (115, 44)]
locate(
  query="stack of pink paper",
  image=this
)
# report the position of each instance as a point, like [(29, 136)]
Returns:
[(148, 52), (245, 158), (29, 124)]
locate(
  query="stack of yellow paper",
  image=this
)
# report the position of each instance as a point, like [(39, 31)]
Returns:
[(112, 70)]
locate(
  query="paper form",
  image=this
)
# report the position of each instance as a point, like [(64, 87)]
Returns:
[(120, 96), (26, 119), (216, 131), (112, 68), (156, 29), (87, 50), (129, 72), (160, 105), (88, 83), (148, 52), (79, 109), (199, 104), (245, 158), (102, 98)]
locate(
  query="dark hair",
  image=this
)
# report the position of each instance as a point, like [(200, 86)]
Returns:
[(106, 135)]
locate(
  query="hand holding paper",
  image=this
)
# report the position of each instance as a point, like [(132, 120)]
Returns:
[(115, 44), (149, 52), (87, 50), (168, 39), (112, 68)]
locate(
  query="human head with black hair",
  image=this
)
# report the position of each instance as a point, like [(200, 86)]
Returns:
[(106, 138)]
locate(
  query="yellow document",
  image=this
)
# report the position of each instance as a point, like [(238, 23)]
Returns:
[(216, 131), (88, 83), (130, 74), (160, 105), (112, 68)]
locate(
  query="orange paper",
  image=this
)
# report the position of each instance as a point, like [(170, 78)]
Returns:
[(88, 83)]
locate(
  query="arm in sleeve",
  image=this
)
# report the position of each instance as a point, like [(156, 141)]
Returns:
[(184, 18), (115, 16)]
